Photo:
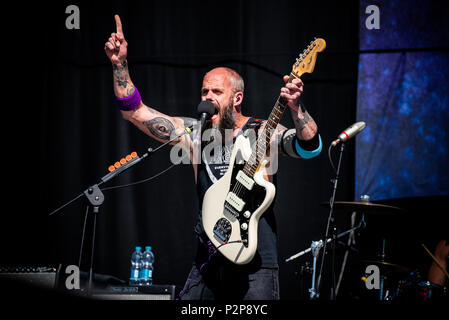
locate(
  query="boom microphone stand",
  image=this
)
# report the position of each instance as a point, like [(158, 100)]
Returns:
[(96, 197), (330, 221)]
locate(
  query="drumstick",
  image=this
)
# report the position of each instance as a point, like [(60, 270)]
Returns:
[(435, 260)]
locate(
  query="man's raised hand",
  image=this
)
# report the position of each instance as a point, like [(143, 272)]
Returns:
[(116, 47)]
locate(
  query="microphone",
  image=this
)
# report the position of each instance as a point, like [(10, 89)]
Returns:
[(205, 111), (349, 132)]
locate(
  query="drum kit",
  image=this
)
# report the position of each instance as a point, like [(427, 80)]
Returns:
[(396, 282)]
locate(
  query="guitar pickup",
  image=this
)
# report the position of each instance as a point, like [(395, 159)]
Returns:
[(246, 181), (235, 201)]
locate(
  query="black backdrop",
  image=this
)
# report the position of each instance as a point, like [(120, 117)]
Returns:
[(62, 130)]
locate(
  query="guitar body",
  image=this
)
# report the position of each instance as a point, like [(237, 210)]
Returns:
[(231, 211), (233, 205)]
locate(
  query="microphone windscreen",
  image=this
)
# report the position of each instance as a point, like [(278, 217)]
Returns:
[(206, 107)]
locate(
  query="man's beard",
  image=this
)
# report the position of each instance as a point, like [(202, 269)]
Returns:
[(227, 123)]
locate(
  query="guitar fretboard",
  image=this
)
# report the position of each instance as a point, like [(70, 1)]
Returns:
[(263, 141)]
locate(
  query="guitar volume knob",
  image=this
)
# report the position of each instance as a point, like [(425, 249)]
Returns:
[(244, 226), (247, 214)]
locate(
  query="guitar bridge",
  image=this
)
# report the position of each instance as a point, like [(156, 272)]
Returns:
[(229, 208)]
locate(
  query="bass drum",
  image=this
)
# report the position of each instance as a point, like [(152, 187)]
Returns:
[(420, 291)]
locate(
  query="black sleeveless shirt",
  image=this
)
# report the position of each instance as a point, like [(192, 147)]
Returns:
[(212, 170)]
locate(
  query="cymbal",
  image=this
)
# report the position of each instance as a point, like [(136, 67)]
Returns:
[(388, 267), (366, 207)]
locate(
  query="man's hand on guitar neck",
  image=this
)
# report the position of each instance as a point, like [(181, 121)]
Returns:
[(292, 91), (306, 127)]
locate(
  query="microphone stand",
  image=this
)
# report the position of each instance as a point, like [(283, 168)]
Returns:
[(330, 221), (96, 198), (315, 248)]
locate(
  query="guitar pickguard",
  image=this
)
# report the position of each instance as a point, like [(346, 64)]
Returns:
[(247, 192)]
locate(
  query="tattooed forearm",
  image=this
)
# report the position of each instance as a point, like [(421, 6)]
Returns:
[(160, 127), (121, 74), (304, 124), (301, 119)]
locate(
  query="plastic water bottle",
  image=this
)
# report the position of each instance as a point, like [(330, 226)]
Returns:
[(136, 267), (146, 275)]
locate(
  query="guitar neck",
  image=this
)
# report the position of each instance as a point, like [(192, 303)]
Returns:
[(263, 141)]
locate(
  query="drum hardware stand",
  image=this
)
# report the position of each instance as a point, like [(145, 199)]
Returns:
[(96, 198), (315, 248), (304, 274)]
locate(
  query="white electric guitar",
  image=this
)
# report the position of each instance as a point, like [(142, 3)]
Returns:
[(233, 205)]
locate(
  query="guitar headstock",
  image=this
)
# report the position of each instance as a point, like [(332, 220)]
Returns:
[(305, 63)]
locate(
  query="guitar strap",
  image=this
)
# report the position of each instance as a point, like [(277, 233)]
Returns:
[(217, 165)]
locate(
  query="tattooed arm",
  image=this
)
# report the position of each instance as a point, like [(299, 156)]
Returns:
[(149, 120), (303, 141), (123, 86), (305, 132), (158, 125), (306, 127), (154, 123)]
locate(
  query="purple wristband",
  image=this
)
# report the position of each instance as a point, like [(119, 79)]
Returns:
[(129, 103)]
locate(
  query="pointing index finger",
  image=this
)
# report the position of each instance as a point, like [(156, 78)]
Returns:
[(118, 24)]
